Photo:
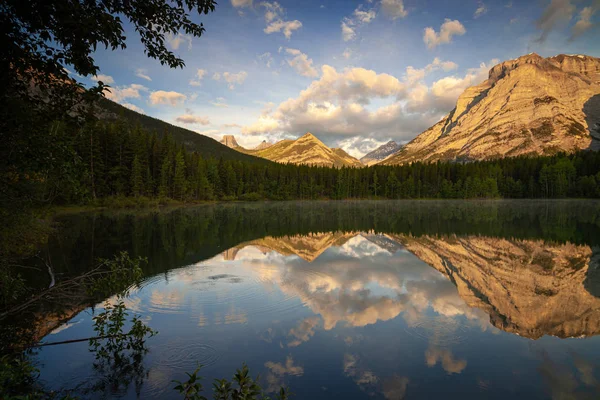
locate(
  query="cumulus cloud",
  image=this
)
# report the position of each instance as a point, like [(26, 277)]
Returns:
[(142, 73), (241, 3), (448, 29), (356, 102), (358, 18), (133, 107), (394, 8), (197, 81), (120, 93), (175, 41), (106, 79), (231, 78), (557, 14), (584, 20), (481, 10), (301, 63), (168, 98), (274, 17), (192, 119)]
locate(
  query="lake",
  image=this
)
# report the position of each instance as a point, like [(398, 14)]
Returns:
[(349, 300)]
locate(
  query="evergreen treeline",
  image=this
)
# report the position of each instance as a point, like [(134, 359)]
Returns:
[(113, 159)]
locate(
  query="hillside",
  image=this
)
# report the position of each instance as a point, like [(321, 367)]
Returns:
[(305, 150), (203, 145), (527, 106)]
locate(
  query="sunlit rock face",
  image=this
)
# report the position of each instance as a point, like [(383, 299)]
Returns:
[(530, 105), (307, 149), (527, 287)]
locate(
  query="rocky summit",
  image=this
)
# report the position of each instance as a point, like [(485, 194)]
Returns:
[(380, 153), (528, 106), (306, 150), (229, 141)]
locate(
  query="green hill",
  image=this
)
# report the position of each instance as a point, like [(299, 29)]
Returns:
[(203, 145)]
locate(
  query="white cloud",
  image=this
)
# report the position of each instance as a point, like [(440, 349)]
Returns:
[(394, 8), (274, 17), (358, 109), (200, 73), (120, 93), (448, 29), (481, 10), (106, 79), (142, 73), (169, 98), (176, 40), (359, 18), (301, 63), (347, 54), (133, 107), (266, 58), (192, 119), (348, 32), (558, 13), (241, 3), (220, 102), (232, 79), (584, 21)]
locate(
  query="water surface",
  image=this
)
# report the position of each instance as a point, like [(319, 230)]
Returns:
[(351, 300)]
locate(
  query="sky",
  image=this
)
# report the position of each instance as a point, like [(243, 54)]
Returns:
[(356, 74)]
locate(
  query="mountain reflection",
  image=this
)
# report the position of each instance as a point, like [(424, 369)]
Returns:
[(528, 287)]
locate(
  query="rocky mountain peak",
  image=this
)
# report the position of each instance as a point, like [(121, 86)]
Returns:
[(229, 141), (529, 105)]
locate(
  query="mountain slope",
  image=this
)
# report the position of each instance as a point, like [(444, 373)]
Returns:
[(531, 105), (306, 150), (263, 145), (203, 145), (380, 153)]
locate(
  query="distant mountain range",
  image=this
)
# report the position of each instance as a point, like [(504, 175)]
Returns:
[(304, 150), (381, 153), (527, 106)]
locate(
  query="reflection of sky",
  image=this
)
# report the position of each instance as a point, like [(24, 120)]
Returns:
[(365, 318)]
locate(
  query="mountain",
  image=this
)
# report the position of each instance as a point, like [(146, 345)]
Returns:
[(263, 145), (306, 150), (381, 153), (530, 105), (229, 141), (203, 145)]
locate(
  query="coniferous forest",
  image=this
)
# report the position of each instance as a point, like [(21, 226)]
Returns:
[(117, 160)]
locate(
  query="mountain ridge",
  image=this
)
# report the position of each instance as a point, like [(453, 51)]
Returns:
[(307, 150), (528, 106)]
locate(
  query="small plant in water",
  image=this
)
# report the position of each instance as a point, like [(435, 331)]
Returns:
[(245, 388)]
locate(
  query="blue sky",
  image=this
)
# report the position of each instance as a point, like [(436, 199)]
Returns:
[(354, 73)]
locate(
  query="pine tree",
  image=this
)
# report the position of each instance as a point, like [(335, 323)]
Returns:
[(179, 180), (137, 181)]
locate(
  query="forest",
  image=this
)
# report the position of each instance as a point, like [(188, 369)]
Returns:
[(108, 160)]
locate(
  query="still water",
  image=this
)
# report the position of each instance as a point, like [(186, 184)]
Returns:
[(384, 300)]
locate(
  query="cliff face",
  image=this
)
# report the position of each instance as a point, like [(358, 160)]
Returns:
[(527, 287), (530, 105), (229, 141)]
